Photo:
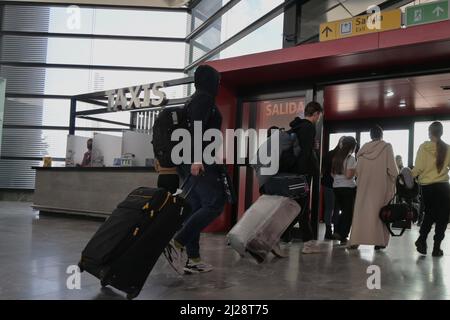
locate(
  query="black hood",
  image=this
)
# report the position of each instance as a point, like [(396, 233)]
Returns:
[(207, 80)]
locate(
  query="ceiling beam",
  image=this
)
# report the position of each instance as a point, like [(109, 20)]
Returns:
[(168, 4)]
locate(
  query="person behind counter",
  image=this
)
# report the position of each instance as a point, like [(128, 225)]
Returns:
[(87, 158)]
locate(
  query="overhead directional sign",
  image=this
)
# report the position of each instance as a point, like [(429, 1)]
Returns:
[(383, 21), (427, 13)]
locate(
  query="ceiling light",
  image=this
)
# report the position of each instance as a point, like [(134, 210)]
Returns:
[(390, 93)]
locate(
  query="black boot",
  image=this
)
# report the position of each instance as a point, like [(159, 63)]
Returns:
[(329, 233), (421, 245), (437, 251)]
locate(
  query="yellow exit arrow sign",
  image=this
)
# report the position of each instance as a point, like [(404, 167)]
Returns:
[(383, 21)]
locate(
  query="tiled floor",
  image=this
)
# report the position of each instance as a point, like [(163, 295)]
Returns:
[(35, 253)]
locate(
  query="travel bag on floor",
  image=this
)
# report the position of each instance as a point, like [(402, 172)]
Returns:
[(126, 247), (262, 225)]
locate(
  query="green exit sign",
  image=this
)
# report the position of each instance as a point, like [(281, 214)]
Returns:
[(427, 13)]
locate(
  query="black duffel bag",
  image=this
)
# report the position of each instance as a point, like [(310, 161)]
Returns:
[(402, 214), (289, 185)]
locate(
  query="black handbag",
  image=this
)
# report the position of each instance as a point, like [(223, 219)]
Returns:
[(400, 214)]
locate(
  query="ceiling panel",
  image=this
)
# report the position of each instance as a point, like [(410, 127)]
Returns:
[(369, 99)]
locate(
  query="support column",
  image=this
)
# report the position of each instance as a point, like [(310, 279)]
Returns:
[(73, 114)]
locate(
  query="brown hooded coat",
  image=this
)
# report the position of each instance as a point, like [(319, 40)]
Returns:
[(376, 173)]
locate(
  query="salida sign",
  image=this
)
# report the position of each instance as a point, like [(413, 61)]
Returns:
[(130, 98), (278, 108), (280, 112)]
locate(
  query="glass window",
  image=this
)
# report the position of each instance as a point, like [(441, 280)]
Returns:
[(141, 23), (268, 37), (205, 9), (159, 23), (233, 21), (37, 112), (334, 138), (398, 138), (61, 81), (121, 116), (94, 52), (34, 143)]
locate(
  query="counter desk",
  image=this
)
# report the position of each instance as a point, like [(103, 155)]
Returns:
[(88, 191)]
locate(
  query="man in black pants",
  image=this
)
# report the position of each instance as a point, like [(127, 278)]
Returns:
[(308, 164)]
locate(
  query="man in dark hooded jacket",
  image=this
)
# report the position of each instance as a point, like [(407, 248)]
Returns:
[(207, 198), (308, 164)]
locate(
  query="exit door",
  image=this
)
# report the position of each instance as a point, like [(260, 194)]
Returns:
[(257, 115)]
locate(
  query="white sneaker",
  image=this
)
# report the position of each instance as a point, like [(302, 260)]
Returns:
[(197, 267), (311, 247), (175, 256)]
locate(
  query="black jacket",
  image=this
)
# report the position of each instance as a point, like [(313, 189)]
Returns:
[(308, 162), (202, 106)]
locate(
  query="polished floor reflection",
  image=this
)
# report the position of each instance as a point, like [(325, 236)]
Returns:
[(35, 253)]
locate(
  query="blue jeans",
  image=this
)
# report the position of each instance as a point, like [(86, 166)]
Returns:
[(207, 201)]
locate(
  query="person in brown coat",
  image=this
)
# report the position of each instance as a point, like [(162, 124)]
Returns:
[(376, 173)]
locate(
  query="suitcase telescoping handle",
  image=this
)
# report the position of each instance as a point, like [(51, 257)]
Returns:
[(180, 192)]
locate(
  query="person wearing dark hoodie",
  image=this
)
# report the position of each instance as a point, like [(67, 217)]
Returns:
[(207, 198), (432, 167), (308, 164), (376, 173)]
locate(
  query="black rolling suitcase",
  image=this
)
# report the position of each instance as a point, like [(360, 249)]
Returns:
[(288, 185), (126, 247)]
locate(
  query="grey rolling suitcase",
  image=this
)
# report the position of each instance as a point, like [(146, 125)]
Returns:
[(262, 225)]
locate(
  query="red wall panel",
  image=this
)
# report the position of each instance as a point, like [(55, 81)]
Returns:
[(227, 104)]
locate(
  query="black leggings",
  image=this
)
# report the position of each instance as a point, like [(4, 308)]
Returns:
[(436, 198), (304, 220), (345, 198)]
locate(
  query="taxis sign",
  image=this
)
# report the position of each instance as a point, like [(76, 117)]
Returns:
[(376, 22)]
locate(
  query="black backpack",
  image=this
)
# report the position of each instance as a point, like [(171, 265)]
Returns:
[(168, 120)]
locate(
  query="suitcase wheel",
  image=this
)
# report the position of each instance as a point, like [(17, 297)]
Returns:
[(131, 296), (104, 283)]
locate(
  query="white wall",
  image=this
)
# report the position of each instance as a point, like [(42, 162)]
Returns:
[(139, 144), (106, 146)]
